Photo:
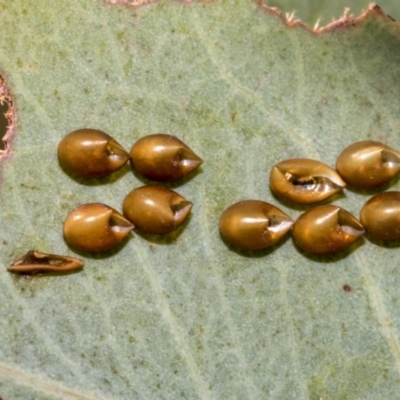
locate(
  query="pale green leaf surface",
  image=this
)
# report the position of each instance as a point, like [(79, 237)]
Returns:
[(186, 317)]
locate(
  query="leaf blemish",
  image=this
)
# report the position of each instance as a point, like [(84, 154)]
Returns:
[(7, 119), (3, 123), (347, 288)]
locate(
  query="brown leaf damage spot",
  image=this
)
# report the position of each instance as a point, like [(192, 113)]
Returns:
[(347, 288), (130, 3), (347, 20), (137, 3), (3, 123), (7, 110)]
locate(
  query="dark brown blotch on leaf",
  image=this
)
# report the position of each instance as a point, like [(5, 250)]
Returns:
[(347, 288)]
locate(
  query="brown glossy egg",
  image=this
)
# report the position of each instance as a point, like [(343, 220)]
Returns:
[(163, 158), (36, 262), (304, 181), (91, 153), (155, 209), (253, 224), (381, 216), (368, 164), (326, 230), (95, 227)]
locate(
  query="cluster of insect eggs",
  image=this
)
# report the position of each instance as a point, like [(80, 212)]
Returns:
[(91, 153), (326, 229)]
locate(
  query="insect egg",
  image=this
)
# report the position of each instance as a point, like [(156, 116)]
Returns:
[(381, 216), (163, 158), (368, 164), (304, 181), (253, 224), (326, 230), (91, 153), (95, 227), (36, 262), (155, 209)]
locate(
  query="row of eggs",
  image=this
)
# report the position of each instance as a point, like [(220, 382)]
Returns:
[(96, 227), (248, 225), (91, 153), (362, 165), (326, 229)]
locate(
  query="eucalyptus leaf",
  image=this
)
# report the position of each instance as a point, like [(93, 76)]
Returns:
[(184, 316)]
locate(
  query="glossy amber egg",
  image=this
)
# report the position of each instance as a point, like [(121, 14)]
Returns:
[(91, 153), (163, 158), (253, 224), (368, 164), (37, 262), (326, 229), (381, 216), (95, 227), (156, 209), (304, 181)]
